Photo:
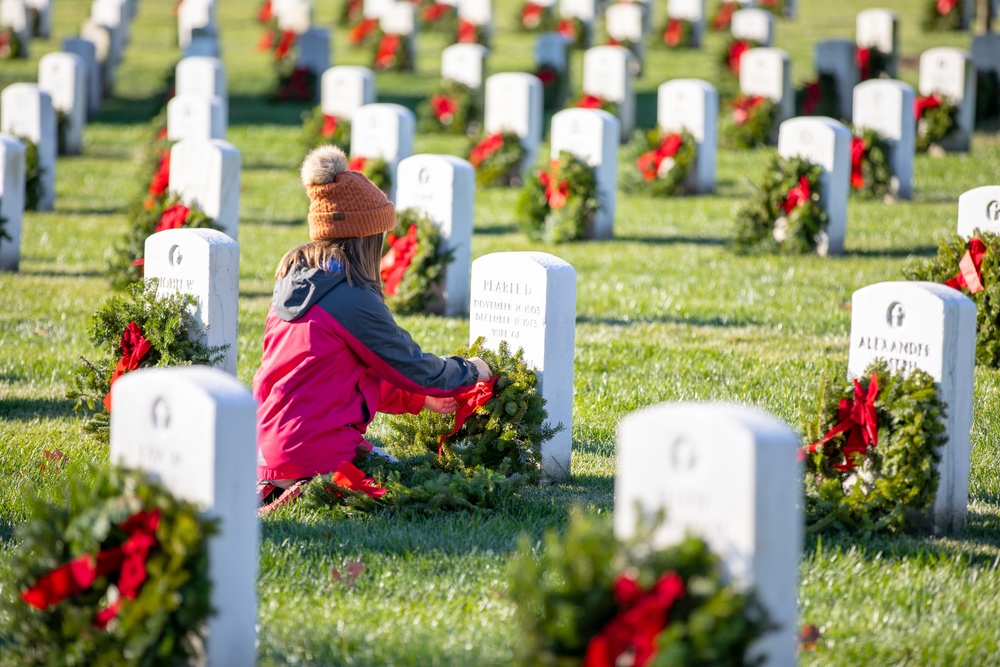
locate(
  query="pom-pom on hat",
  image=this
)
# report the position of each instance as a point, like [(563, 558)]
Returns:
[(342, 204)]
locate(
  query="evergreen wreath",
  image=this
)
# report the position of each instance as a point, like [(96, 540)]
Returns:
[(577, 600), (729, 61), (62, 131), (319, 128), (438, 16), (471, 33), (33, 172), (10, 44), (392, 53), (497, 158), (296, 84), (557, 204), (351, 11), (451, 108), (166, 323), (723, 16), (168, 212), (678, 34), (375, 169), (160, 611), (265, 13), (776, 7), (659, 162), (987, 95), (576, 32), (942, 15), (871, 174), (363, 32), (588, 101), (872, 63), (937, 119), (985, 260), (784, 215), (871, 452), (555, 85), (819, 97), (425, 263), (534, 17), (752, 122)]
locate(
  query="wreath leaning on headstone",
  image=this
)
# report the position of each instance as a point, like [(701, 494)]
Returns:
[(468, 32), (575, 31), (319, 128), (392, 53), (587, 598), (943, 15), (723, 16), (972, 267), (33, 172), (497, 158), (872, 453), (536, 17), (375, 169), (659, 162), (784, 215), (438, 16), (729, 61), (937, 119), (135, 330), (776, 7), (452, 108), (871, 174), (114, 573), (558, 203), (10, 43), (819, 97), (677, 34), (872, 63), (752, 122), (588, 101), (413, 264)]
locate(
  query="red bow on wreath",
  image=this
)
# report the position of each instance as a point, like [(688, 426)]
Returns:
[(467, 32), (923, 104), (161, 179), (434, 13), (397, 260), (357, 164), (857, 418), (736, 51), (329, 126), (288, 38), (266, 42), (531, 15), (468, 402), (674, 32), (863, 58), (797, 196), (556, 190), (744, 106), (813, 97), (134, 349), (486, 147), (79, 574), (567, 28), (970, 274), (264, 14), (858, 148), (636, 626), (590, 102), (547, 75), (173, 217), (945, 7), (361, 30), (386, 56), (350, 477), (298, 86), (444, 108), (724, 16), (649, 162)]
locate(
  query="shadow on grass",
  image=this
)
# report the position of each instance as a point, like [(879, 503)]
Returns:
[(6, 536), (259, 110), (62, 273), (278, 223), (25, 409), (673, 240), (411, 102), (497, 230), (717, 321), (920, 251), (131, 111)]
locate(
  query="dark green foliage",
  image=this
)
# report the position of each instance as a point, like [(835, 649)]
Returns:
[(644, 141), (375, 169), (312, 131), (756, 130), (875, 169), (878, 64), (570, 222), (564, 593), (677, 34), (819, 97), (420, 289), (776, 7), (987, 95), (467, 110), (945, 266), (62, 127), (758, 218), (161, 626), (504, 435), (33, 186), (3, 232), (892, 489), (10, 44), (539, 19), (576, 32), (935, 20), (936, 124), (398, 60), (167, 322), (500, 168), (588, 101)]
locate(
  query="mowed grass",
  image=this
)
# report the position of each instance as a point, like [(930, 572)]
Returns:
[(665, 312)]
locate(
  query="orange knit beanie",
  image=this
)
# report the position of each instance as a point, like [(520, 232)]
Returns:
[(342, 204)]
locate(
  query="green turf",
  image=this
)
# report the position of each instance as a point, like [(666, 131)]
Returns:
[(664, 312)]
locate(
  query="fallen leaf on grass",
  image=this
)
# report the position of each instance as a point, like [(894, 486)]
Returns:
[(808, 637)]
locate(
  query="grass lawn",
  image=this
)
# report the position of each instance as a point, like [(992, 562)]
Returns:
[(665, 312)]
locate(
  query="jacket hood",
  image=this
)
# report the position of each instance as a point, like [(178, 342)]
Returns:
[(298, 291)]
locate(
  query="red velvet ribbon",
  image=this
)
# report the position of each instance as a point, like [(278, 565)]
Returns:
[(858, 148), (970, 274), (858, 419), (744, 106), (863, 58), (173, 217), (468, 402), (285, 45), (362, 30), (556, 190), (922, 104), (297, 86), (724, 16), (134, 348), (444, 108), (635, 628), (814, 95), (397, 260), (350, 477), (486, 147), (673, 33), (129, 560), (265, 14), (567, 28), (329, 126), (386, 56), (466, 32), (945, 7), (590, 102), (736, 51), (547, 75), (650, 161), (531, 15), (797, 196), (161, 179)]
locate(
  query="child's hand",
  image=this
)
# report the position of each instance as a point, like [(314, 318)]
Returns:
[(484, 371), (442, 406)]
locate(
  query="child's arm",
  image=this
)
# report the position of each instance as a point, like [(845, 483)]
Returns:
[(396, 401)]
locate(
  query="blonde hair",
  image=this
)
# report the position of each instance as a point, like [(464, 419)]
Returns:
[(359, 257)]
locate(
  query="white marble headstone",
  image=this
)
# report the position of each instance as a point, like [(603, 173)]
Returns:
[(592, 136), (26, 111), (385, 131), (104, 49), (476, 12), (373, 9), (931, 327), (295, 15), (753, 24), (767, 72), (204, 263), (585, 10), (465, 64), (345, 89), (11, 200), (195, 429), (314, 50), (949, 73), (14, 15), (979, 208), (838, 57), (207, 173), (693, 105), (607, 74), (886, 106), (88, 52), (43, 11), (623, 22), (204, 77), (689, 10), (879, 29), (514, 104), (195, 15), (112, 15), (64, 77), (529, 300), (195, 117), (400, 19), (444, 188), (551, 48), (827, 143), (730, 475)]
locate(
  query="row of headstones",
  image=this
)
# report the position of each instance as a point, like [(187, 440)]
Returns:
[(27, 19)]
